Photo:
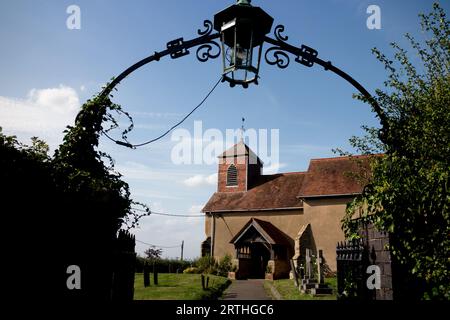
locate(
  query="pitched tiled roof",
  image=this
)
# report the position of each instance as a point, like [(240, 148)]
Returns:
[(330, 176), (277, 191), (239, 149), (266, 229), (325, 177)]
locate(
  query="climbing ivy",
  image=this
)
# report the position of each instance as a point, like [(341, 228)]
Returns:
[(80, 166)]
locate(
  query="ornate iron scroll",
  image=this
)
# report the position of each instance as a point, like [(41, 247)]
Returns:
[(278, 57), (278, 54), (205, 51), (207, 47), (208, 28), (279, 29)]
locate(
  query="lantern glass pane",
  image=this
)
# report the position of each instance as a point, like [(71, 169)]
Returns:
[(240, 58)]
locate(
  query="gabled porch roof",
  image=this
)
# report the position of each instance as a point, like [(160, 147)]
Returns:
[(267, 231)]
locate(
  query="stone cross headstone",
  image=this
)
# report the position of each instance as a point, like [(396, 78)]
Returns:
[(308, 264), (319, 267)]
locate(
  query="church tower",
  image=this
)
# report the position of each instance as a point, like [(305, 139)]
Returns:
[(239, 169)]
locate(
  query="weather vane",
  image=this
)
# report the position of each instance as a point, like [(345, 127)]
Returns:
[(242, 129)]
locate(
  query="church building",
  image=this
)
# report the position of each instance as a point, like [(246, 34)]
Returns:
[(265, 221)]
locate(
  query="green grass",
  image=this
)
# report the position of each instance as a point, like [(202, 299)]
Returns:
[(288, 291), (179, 287)]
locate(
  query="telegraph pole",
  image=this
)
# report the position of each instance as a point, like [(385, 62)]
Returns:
[(182, 248)]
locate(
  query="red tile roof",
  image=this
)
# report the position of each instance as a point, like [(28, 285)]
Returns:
[(277, 191), (332, 176), (239, 149), (325, 177)]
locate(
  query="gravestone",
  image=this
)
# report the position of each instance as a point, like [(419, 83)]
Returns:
[(311, 285), (294, 273), (320, 267), (307, 282), (308, 264)]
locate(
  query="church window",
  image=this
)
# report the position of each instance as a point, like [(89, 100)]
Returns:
[(232, 176)]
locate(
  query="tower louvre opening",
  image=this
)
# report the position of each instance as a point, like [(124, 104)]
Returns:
[(232, 176)]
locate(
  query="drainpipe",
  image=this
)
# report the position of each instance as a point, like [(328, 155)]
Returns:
[(213, 233)]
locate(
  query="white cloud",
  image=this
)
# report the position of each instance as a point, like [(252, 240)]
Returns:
[(151, 194), (196, 209), (212, 179), (138, 171), (170, 231), (201, 180), (44, 113), (274, 168)]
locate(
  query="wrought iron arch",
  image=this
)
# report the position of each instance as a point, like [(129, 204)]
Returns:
[(277, 54), (177, 48)]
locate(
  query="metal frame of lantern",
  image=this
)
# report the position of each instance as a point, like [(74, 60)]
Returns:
[(277, 54), (233, 63), (242, 28)]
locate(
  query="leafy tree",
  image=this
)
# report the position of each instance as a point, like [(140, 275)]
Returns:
[(408, 193), (153, 253), (69, 206)]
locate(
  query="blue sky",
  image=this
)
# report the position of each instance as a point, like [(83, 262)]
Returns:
[(47, 71)]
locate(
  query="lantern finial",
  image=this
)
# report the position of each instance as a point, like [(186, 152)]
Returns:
[(244, 2)]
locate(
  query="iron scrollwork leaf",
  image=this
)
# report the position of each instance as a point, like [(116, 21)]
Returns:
[(304, 55), (208, 28), (276, 55), (279, 29), (205, 51), (279, 57)]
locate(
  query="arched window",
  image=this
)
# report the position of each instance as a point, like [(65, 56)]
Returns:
[(232, 176)]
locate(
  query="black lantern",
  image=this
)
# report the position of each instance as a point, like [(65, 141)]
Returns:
[(242, 28)]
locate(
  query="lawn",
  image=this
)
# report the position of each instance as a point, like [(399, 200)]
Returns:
[(179, 287), (288, 291)]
